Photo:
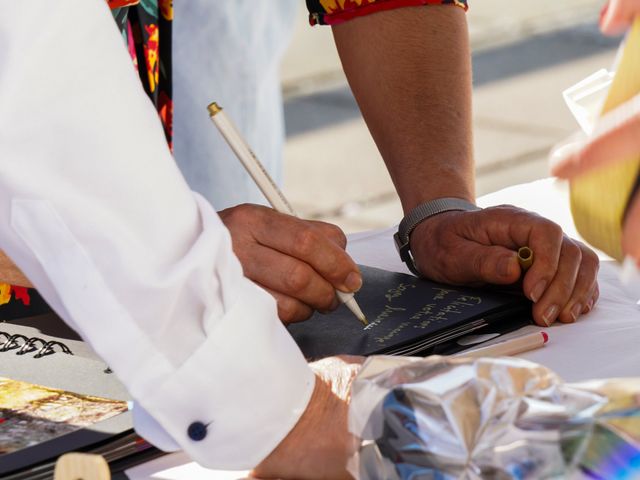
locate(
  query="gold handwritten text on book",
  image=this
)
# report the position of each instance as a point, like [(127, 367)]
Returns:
[(457, 304)]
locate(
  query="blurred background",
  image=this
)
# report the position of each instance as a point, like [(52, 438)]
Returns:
[(524, 55)]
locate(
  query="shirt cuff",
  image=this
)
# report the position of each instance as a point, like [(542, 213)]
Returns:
[(323, 12), (240, 393)]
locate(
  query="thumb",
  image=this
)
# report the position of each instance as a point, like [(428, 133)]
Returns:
[(488, 264)]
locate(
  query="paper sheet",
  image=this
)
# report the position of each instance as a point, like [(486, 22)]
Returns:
[(178, 466)]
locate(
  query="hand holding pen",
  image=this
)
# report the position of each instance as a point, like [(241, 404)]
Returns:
[(302, 264)]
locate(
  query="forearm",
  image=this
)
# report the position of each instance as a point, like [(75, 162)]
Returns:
[(9, 273), (410, 72)]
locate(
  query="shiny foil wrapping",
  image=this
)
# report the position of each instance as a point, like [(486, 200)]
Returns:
[(490, 418)]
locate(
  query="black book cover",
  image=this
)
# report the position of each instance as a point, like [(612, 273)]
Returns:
[(410, 316)]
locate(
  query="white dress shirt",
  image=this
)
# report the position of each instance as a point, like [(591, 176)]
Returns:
[(94, 210)]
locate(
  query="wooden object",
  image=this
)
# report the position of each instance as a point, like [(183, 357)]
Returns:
[(81, 466), (525, 258)]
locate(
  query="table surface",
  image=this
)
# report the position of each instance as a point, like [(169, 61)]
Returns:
[(602, 344)]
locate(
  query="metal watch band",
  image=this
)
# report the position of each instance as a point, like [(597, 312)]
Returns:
[(418, 215)]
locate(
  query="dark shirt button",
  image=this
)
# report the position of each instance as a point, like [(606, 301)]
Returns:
[(197, 431)]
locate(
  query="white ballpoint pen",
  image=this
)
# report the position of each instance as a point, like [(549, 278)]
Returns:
[(265, 183)]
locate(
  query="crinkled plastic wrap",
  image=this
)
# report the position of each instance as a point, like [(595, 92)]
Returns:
[(490, 418)]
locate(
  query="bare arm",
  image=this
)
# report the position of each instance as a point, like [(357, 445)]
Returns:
[(410, 72), (409, 69)]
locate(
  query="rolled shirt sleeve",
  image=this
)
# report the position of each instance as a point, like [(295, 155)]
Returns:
[(94, 210), (334, 12)]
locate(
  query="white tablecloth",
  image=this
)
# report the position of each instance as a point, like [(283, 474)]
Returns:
[(603, 343)]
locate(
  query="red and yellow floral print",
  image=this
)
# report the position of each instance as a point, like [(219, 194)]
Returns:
[(5, 293), (151, 54), (121, 3), (166, 9), (18, 293), (146, 28), (333, 12)]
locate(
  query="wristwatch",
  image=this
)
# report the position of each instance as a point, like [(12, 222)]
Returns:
[(418, 215)]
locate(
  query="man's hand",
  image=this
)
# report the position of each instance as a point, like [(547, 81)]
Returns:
[(299, 262), (319, 445), (480, 247)]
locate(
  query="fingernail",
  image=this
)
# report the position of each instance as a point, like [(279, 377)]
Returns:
[(589, 305), (550, 315), (504, 265), (575, 311), (353, 282), (538, 290)]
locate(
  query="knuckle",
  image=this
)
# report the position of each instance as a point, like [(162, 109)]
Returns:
[(506, 208), (306, 241), (288, 310), (553, 230), (588, 255), (326, 299), (589, 263), (336, 235), (298, 277), (572, 250), (507, 213), (240, 214)]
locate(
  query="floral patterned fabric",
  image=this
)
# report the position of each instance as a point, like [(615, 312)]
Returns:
[(146, 30), (333, 12), (7, 292)]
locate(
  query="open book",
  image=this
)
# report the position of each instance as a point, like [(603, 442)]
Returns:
[(411, 316)]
